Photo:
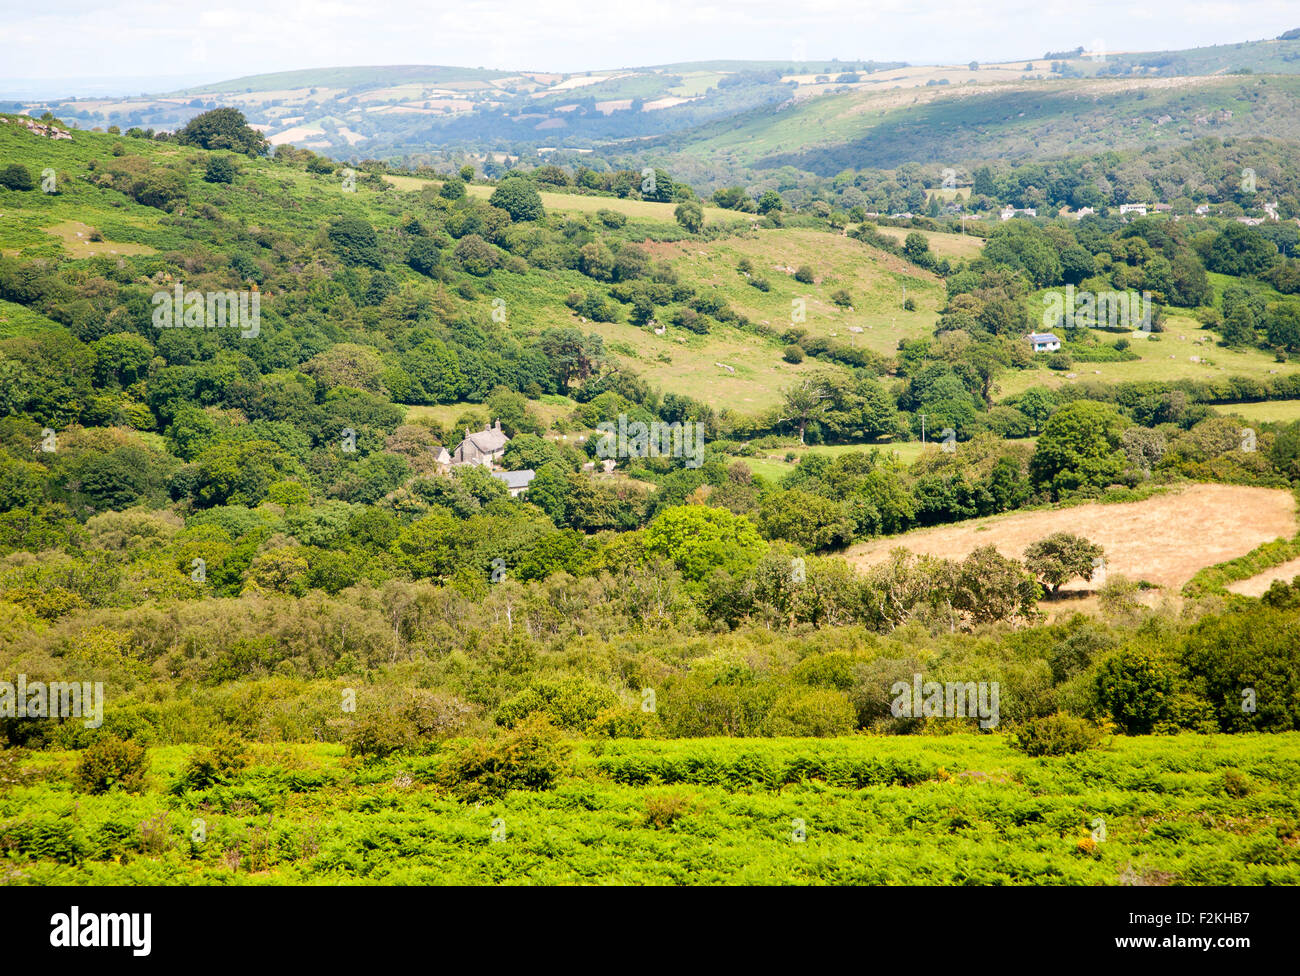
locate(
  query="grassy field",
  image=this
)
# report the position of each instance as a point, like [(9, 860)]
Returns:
[(1164, 539), (548, 409), (1272, 411), (952, 246), (774, 466), (874, 280), (577, 203), (1164, 355), (959, 809)]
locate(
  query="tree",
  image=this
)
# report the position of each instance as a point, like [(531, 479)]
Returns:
[(1241, 250), (1131, 687), (1080, 448), (220, 169), (423, 256), (701, 540), (990, 587), (916, 246), (770, 202), (223, 128), (519, 198), (690, 215), (16, 176), (476, 255), (355, 242), (803, 403), (1061, 557)]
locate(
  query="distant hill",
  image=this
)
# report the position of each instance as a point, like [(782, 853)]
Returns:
[(732, 121)]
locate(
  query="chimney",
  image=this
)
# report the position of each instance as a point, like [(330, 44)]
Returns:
[(498, 425)]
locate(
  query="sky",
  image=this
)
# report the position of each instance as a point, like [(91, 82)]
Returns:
[(129, 46)]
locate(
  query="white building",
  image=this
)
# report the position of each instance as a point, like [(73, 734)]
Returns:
[(1044, 342)]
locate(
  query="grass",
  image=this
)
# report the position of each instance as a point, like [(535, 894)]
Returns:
[(952, 246), (1271, 411), (579, 203), (957, 809), (773, 465), (874, 280), (1166, 539), (1163, 356)]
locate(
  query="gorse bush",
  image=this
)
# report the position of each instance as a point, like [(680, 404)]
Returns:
[(528, 757), (214, 765), (1055, 735), (109, 763)]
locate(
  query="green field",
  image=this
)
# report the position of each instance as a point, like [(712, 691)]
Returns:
[(579, 203), (959, 809), (1163, 356), (1271, 411)]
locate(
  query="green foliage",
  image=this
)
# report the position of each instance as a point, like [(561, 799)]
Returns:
[(1055, 735), (109, 763), (16, 176), (529, 757), (223, 128), (519, 198)]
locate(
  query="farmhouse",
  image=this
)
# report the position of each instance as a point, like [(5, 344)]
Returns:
[(1008, 212), (1044, 342), (485, 447), (1133, 208)]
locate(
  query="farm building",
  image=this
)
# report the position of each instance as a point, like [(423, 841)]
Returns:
[(516, 481), (484, 447), (1044, 342)]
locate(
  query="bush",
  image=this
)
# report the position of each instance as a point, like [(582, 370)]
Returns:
[(804, 274), (842, 298), (572, 703), (530, 757), (793, 353), (210, 767), (518, 198), (664, 809), (379, 734), (220, 169), (1055, 735), (812, 711), (16, 176), (611, 218), (1059, 361), (111, 762), (622, 723)]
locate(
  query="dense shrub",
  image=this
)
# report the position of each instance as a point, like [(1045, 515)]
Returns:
[(1055, 735), (111, 762), (529, 757)]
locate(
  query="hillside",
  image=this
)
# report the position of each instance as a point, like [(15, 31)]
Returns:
[(729, 120), (1146, 540)]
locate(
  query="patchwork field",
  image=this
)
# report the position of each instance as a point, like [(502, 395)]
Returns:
[(955, 809), (1163, 540)]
